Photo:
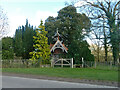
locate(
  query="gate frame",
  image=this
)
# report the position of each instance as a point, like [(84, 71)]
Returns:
[(69, 61)]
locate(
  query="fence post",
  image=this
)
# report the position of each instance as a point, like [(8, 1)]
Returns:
[(72, 63), (52, 61), (110, 64), (82, 62), (95, 64), (62, 63)]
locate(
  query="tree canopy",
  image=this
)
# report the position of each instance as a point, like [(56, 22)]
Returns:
[(106, 11), (73, 28), (23, 41), (7, 48)]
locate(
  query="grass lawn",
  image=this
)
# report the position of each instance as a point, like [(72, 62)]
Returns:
[(81, 73)]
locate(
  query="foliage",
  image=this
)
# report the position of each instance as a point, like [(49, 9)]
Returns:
[(94, 50), (108, 10), (42, 49), (7, 48), (23, 41), (73, 27), (3, 23)]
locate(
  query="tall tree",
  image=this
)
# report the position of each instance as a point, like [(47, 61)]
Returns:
[(18, 43), (51, 25), (27, 40), (42, 49), (109, 10), (24, 41), (73, 28), (3, 23)]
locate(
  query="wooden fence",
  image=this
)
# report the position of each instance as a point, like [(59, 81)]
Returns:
[(61, 63)]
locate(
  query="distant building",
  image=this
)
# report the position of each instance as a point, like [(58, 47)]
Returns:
[(58, 49)]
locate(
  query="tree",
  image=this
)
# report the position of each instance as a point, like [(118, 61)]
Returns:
[(7, 48), (94, 50), (3, 23), (51, 25), (18, 49), (73, 27), (41, 47), (23, 41), (28, 34), (99, 37), (109, 10)]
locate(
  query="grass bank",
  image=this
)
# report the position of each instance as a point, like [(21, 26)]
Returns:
[(80, 73)]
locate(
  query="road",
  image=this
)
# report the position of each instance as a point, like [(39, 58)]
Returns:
[(20, 82)]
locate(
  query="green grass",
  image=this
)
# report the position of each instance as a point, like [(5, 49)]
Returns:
[(81, 73), (103, 67)]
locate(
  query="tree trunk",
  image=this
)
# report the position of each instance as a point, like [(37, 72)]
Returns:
[(114, 37), (98, 51), (115, 52), (105, 43), (115, 46)]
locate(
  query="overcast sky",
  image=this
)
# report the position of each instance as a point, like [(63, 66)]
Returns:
[(34, 10)]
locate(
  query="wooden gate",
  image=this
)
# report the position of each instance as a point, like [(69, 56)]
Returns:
[(62, 62)]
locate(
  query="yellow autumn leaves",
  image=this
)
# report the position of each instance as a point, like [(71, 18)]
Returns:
[(41, 46)]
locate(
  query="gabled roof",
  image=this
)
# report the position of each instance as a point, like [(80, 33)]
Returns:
[(61, 46)]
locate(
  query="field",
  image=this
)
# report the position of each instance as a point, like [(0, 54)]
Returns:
[(80, 73)]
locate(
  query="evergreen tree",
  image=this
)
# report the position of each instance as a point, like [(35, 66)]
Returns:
[(27, 40), (18, 42), (23, 41), (42, 50), (7, 48)]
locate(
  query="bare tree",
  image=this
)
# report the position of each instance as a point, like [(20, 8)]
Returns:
[(3, 23), (107, 9)]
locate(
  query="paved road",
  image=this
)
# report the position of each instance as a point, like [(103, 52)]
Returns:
[(20, 82)]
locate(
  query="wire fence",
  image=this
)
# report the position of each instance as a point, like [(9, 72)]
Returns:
[(25, 63), (110, 65)]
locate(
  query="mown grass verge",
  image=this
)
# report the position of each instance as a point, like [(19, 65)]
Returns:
[(80, 73)]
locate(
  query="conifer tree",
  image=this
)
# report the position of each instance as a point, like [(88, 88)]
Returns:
[(41, 48)]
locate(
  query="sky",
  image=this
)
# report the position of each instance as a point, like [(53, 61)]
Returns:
[(18, 11)]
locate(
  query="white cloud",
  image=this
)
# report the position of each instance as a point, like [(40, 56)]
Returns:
[(82, 2), (15, 22), (43, 15), (20, 19)]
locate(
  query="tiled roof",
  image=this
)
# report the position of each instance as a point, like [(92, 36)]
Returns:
[(65, 47)]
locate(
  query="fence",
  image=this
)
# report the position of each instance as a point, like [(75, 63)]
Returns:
[(24, 63), (86, 64), (110, 65)]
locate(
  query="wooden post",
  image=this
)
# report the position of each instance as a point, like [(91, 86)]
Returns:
[(110, 64), (51, 63), (95, 63), (118, 61), (72, 63), (62, 63), (82, 61)]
